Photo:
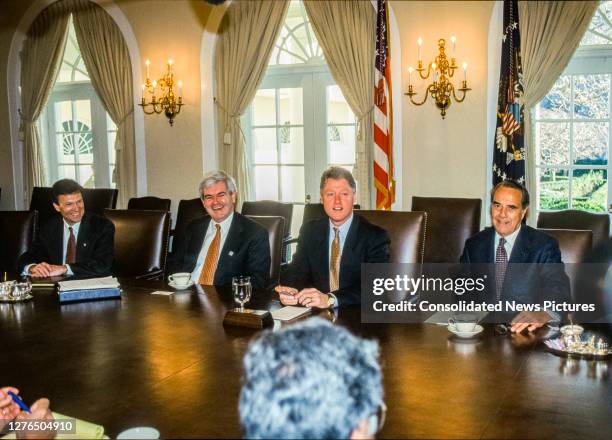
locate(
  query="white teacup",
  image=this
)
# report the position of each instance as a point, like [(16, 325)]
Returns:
[(180, 278), (463, 323), (141, 432)]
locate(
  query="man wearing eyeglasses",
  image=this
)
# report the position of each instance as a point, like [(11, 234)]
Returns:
[(325, 271), (311, 380), (224, 244)]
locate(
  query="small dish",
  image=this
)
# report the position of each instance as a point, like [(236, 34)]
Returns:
[(11, 299), (182, 286), (477, 329)]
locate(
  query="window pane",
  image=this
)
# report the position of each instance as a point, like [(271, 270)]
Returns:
[(556, 105), (111, 146), (266, 183), (292, 145), (338, 110), (264, 107), (341, 144), (66, 172), (292, 184), (291, 106), (83, 114), (63, 112), (264, 145), (591, 143), (590, 190), (553, 142), (591, 95), (86, 176), (554, 189)]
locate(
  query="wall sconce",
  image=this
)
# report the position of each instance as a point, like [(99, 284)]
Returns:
[(167, 102), (441, 89)]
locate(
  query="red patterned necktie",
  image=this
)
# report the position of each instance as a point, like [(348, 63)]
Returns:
[(71, 248)]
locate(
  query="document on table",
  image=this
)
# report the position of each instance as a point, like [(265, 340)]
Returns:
[(92, 283), (162, 292), (290, 313)]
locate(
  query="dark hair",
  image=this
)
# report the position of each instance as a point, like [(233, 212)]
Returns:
[(64, 187), (514, 185)]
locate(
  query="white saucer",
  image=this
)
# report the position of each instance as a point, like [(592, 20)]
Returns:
[(182, 286), (477, 330)]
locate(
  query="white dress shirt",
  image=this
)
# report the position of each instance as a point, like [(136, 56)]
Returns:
[(208, 238)]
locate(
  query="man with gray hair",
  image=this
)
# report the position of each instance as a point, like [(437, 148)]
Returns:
[(325, 271), (225, 244), (311, 380)]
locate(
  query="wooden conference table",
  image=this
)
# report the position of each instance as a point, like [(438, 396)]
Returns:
[(168, 362)]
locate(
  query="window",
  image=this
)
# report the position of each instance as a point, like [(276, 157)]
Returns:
[(78, 134), (299, 122), (572, 129)]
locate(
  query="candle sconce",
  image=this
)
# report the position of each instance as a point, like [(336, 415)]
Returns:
[(167, 102), (442, 70)]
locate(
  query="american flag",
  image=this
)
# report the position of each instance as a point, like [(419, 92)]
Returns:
[(509, 148), (383, 115)]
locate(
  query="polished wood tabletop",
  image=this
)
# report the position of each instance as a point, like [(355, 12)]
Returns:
[(168, 362)]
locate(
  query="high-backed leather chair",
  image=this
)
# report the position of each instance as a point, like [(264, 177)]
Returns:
[(17, 232), (406, 230), (450, 221), (575, 246), (141, 242), (188, 210), (149, 203), (575, 219), (272, 208), (96, 201), (275, 225)]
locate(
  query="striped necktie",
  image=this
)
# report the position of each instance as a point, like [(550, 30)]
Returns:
[(207, 276), (501, 263)]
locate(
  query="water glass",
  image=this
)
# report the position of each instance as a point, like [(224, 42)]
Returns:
[(241, 288)]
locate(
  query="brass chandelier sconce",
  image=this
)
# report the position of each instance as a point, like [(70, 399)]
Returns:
[(167, 102), (441, 89)]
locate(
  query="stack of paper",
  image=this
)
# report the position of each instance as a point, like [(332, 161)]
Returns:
[(290, 313), (93, 288)]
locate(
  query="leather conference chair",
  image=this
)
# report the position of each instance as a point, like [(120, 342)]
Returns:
[(575, 219), (96, 201), (450, 221), (149, 203), (275, 225), (141, 242), (406, 230), (17, 232), (272, 208), (575, 246), (188, 210)]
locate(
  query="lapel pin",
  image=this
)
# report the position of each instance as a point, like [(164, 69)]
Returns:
[(230, 253)]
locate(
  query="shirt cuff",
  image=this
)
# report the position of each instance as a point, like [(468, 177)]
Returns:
[(68, 270), (336, 302), (26, 269), (555, 318)]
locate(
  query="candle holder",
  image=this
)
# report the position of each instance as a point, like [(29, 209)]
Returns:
[(167, 102), (441, 70)]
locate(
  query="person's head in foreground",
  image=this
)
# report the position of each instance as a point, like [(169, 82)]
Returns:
[(509, 205), (311, 380)]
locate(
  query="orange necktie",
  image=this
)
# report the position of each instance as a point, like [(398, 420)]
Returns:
[(334, 263), (207, 276)]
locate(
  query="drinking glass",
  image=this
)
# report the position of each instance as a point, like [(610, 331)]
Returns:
[(241, 287)]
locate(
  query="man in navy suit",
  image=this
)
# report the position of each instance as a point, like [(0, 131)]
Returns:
[(528, 267), (326, 268), (224, 244), (73, 243)]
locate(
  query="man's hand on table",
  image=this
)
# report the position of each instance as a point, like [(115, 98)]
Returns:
[(529, 320)]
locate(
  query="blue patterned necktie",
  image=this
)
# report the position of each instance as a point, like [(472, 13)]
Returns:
[(501, 263)]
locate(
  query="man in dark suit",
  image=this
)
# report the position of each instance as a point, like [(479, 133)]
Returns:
[(326, 268), (73, 243), (226, 244), (528, 266)]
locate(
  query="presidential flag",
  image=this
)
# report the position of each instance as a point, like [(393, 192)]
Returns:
[(509, 148), (383, 115)]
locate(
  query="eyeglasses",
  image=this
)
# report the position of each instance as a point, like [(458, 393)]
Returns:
[(377, 421)]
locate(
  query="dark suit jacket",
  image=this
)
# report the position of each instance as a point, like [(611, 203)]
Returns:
[(534, 272), (95, 246), (246, 251), (365, 243)]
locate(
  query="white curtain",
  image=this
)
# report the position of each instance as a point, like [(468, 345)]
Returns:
[(346, 31), (550, 34), (247, 36), (41, 59), (108, 63)]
